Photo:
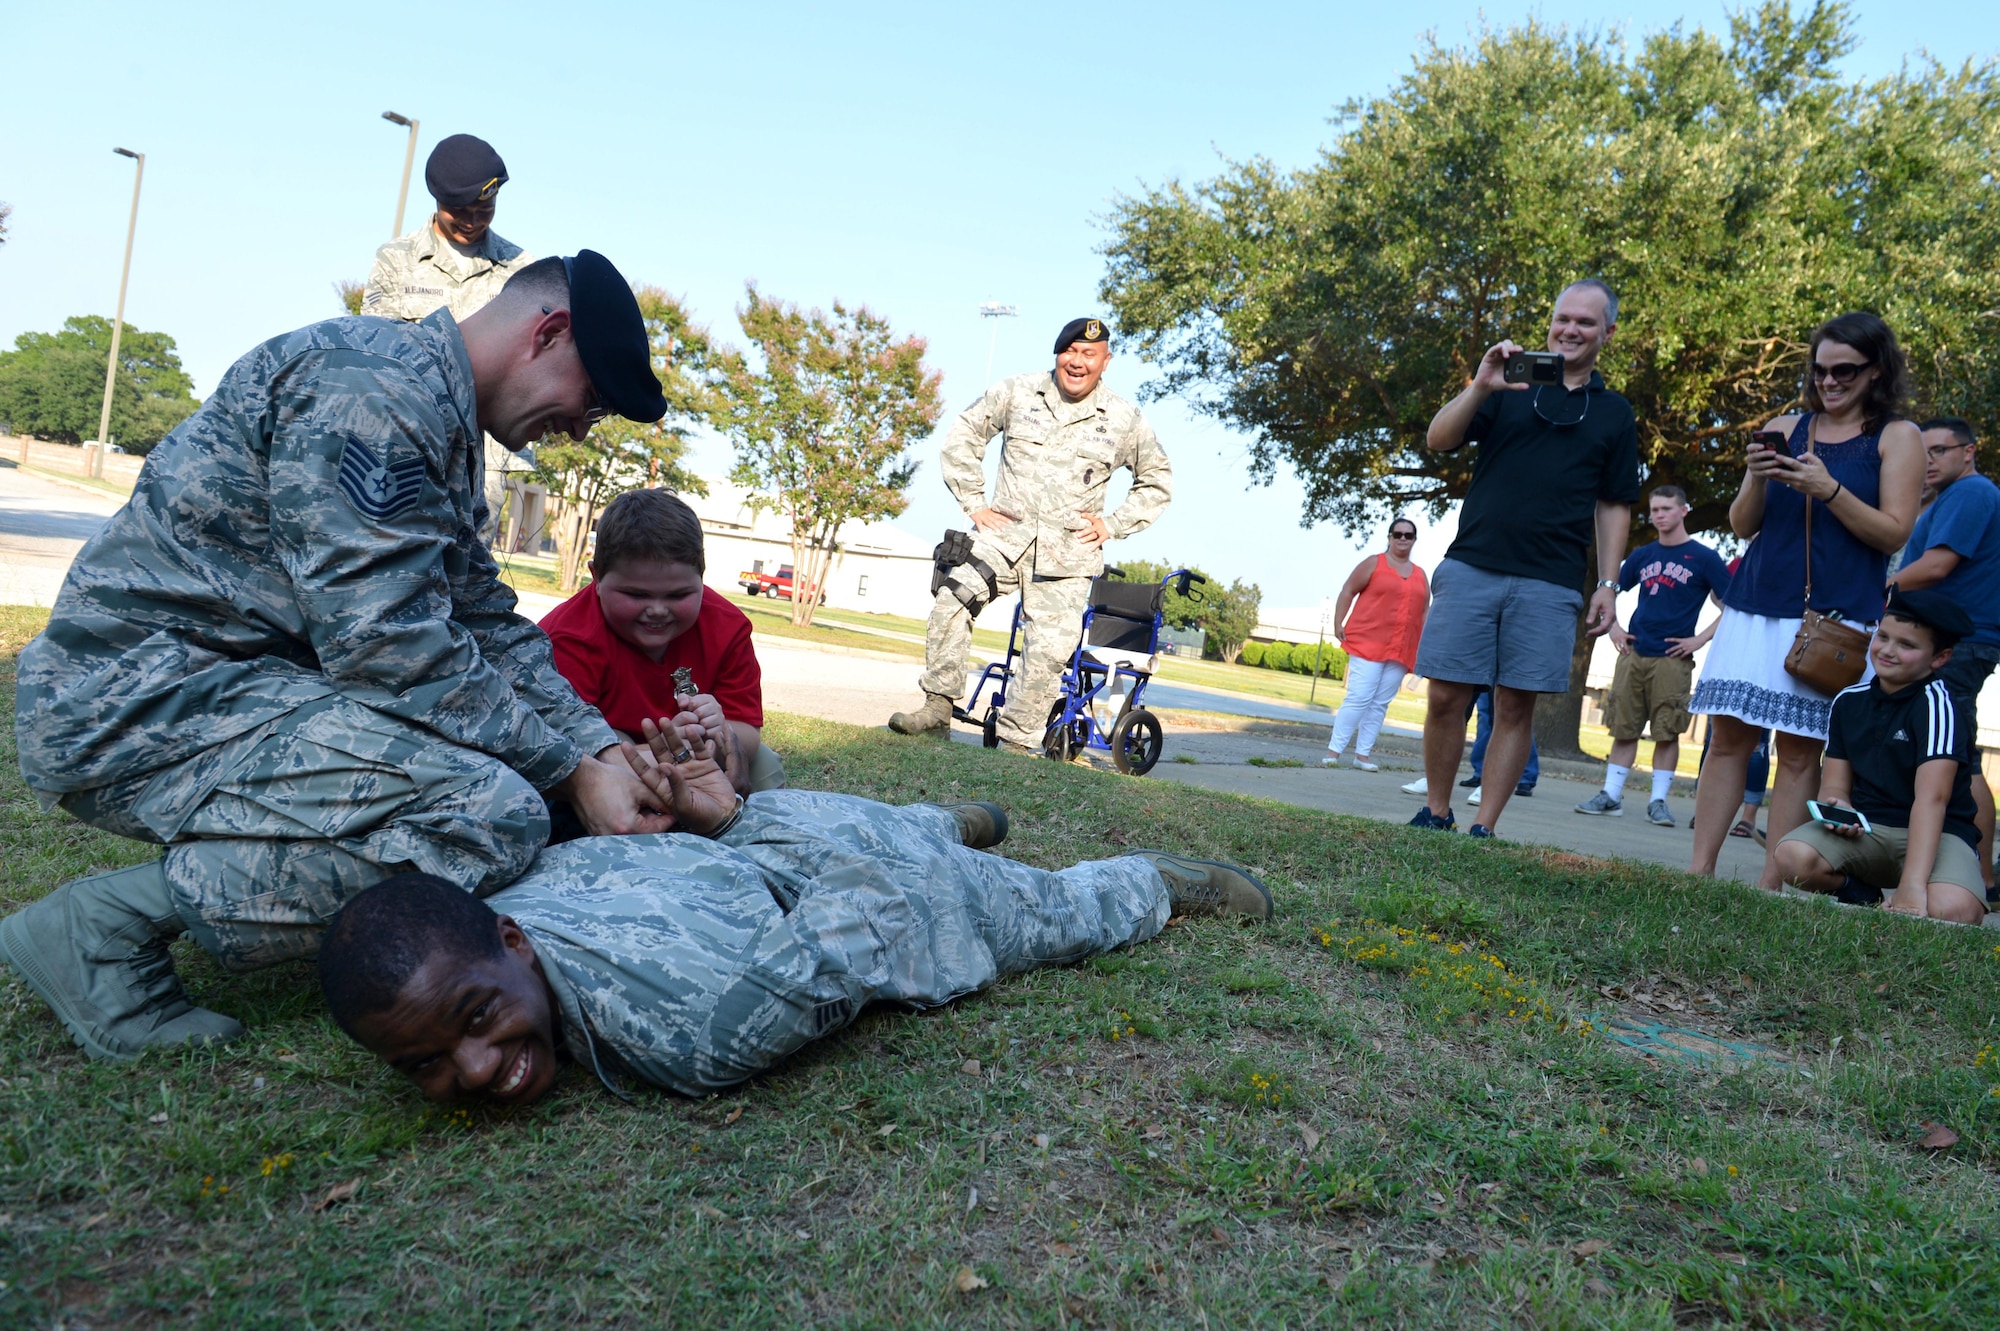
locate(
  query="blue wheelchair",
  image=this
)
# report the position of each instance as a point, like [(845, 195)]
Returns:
[(1104, 685)]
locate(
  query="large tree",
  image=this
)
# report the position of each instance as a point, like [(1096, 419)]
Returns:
[(822, 428), (1732, 191), (52, 384), (619, 455)]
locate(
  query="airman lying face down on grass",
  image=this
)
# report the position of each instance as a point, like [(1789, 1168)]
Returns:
[(696, 960)]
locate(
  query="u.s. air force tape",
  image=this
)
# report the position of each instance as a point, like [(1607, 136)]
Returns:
[(377, 489)]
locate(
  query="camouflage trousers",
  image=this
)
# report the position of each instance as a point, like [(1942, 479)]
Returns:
[(696, 966), (1051, 625), (305, 813)]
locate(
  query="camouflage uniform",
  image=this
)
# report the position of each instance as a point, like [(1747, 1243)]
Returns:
[(1056, 460), (695, 964), (422, 271), (288, 658)]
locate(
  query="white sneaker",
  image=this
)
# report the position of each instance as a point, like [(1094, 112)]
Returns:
[(1473, 799), (1361, 764), (1421, 786)]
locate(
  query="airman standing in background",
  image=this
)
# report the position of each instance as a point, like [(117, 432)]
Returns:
[(455, 260), (1044, 531)]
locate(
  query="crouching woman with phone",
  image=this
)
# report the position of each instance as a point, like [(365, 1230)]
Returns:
[(1827, 495), (1895, 811)]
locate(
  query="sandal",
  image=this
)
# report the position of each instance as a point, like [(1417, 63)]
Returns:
[(1743, 829)]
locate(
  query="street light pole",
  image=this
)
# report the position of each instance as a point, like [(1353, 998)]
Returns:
[(994, 310), (409, 158), (1325, 614), (118, 323)]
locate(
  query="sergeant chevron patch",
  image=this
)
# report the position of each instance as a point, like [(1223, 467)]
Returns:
[(376, 489)]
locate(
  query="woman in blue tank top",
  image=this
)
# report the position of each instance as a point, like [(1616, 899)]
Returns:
[(1860, 466)]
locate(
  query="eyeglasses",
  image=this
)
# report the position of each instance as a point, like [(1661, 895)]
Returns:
[(1550, 420), (1402, 536), (595, 408), (1842, 373), (1936, 451)]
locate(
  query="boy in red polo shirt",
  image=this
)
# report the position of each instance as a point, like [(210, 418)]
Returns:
[(644, 615)]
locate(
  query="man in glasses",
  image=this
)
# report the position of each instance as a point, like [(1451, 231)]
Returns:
[(1955, 549), (458, 261), (290, 661), (1557, 467)]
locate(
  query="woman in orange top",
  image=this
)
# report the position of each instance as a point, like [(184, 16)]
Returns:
[(1389, 595)]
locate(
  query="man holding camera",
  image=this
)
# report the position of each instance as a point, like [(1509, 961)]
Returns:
[(1044, 529), (1558, 463)]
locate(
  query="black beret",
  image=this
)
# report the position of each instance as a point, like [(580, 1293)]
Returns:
[(464, 169), (611, 338), (1935, 611), (1082, 330)]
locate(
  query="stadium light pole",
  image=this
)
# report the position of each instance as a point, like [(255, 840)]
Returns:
[(118, 323), (994, 310), (409, 159)]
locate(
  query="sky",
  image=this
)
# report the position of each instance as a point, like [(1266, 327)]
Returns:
[(920, 159)]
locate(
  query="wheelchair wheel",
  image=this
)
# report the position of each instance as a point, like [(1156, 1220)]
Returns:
[(989, 729), (1136, 742), (1059, 741)]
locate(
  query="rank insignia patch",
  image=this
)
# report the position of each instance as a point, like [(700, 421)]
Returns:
[(377, 489)]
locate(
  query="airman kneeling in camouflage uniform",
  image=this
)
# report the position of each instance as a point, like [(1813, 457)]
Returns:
[(694, 964), (1044, 532), (289, 660)]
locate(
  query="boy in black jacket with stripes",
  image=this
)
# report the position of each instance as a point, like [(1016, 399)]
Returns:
[(1899, 750)]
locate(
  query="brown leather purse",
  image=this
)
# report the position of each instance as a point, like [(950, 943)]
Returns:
[(1827, 654)]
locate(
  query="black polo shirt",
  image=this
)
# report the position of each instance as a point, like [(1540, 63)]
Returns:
[(1547, 455), (1885, 737)]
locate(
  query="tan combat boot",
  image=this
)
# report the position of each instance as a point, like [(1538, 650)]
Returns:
[(982, 824), (1210, 887), (934, 715), (95, 950)]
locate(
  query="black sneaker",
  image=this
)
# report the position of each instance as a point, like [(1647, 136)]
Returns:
[(1852, 893), (1480, 832), (1470, 783), (1524, 791), (1425, 818)]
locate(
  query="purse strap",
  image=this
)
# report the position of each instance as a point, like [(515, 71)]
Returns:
[(1812, 428)]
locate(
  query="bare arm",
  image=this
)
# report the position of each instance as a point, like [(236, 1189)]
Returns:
[(1746, 511), (1886, 527), (1933, 567), (1454, 418), (1350, 589), (1933, 788), (1614, 524)]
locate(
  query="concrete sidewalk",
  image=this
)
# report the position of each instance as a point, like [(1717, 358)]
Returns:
[(1213, 751)]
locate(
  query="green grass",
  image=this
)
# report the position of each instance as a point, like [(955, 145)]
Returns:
[(1225, 1127)]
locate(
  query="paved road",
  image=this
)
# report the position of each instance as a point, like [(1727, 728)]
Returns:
[(42, 526)]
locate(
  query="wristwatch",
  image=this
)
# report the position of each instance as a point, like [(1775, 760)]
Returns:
[(1612, 583)]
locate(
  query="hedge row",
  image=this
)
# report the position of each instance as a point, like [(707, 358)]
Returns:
[(1296, 657)]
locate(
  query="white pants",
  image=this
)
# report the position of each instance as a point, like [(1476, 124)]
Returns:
[(1371, 687)]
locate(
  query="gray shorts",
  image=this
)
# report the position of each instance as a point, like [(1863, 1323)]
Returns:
[(1493, 629)]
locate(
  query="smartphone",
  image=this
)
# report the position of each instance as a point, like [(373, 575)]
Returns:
[(1772, 439), (1533, 367), (1835, 816)]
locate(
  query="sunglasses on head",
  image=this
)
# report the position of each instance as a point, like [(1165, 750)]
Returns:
[(1842, 373)]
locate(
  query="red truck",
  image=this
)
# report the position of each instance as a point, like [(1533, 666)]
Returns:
[(757, 582)]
